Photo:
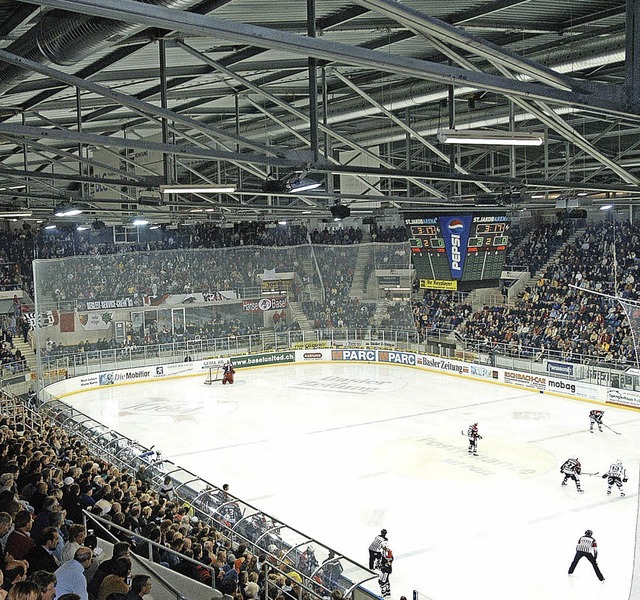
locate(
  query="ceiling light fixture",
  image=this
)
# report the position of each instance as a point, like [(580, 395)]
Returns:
[(83, 227), (139, 221), (217, 188), (66, 211), (50, 226), (299, 184), (490, 138), (290, 184), (15, 215), (606, 207)]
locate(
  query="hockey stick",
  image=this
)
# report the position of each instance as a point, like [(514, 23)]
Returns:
[(609, 428), (592, 474)]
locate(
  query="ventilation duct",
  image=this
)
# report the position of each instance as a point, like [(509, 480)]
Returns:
[(64, 38)]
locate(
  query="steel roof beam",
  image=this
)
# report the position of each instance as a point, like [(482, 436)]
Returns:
[(138, 12), (422, 23)]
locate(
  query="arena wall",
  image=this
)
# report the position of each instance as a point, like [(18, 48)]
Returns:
[(545, 384)]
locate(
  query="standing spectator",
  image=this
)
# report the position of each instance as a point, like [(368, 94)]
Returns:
[(70, 575), (374, 548), (588, 548), (25, 326)]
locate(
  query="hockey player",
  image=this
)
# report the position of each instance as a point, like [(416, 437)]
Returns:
[(227, 373), (384, 569), (571, 468), (474, 436), (375, 547), (595, 418), (588, 548), (617, 474)]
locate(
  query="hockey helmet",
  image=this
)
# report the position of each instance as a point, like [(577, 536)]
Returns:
[(384, 544), (383, 532), (618, 461), (588, 532)]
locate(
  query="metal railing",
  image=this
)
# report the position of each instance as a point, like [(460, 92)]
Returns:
[(438, 342), (238, 521)]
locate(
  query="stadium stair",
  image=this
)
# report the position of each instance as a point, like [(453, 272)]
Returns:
[(357, 289), (381, 312), (27, 352), (554, 259), (298, 315)]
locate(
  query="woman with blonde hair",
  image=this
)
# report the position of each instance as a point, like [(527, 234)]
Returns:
[(24, 590)]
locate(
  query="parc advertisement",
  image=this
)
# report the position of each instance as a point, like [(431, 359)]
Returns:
[(542, 383)]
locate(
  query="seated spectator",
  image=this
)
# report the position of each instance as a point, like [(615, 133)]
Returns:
[(140, 587), (19, 541), (24, 590), (116, 581), (46, 583), (70, 575), (77, 535), (120, 549), (42, 557)]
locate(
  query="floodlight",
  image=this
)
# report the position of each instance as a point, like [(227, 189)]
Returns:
[(67, 211), (490, 138), (215, 188)]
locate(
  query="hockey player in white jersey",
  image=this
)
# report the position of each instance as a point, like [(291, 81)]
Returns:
[(617, 474), (595, 418), (571, 468), (474, 436)]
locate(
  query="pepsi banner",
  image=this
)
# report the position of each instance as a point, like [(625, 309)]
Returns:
[(455, 231), (458, 251)]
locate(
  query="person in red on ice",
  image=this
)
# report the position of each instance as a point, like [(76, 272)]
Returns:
[(227, 373)]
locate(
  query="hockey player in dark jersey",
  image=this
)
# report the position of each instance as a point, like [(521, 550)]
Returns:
[(588, 548), (595, 418), (571, 468), (474, 436), (616, 474), (384, 569)]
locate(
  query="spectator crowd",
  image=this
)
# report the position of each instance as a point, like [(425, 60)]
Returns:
[(48, 477)]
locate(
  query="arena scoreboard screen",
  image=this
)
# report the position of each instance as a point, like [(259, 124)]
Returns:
[(458, 251)]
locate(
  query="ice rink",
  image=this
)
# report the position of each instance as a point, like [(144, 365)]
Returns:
[(340, 451)]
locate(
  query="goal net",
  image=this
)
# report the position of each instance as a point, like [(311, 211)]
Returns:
[(214, 374)]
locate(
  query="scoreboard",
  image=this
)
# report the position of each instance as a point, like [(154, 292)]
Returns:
[(459, 251)]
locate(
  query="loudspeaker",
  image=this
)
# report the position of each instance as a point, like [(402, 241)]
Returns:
[(340, 212)]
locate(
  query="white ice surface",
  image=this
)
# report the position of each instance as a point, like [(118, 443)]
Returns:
[(339, 451)]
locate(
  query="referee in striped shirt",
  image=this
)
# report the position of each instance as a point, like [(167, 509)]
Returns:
[(375, 548), (588, 548)]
